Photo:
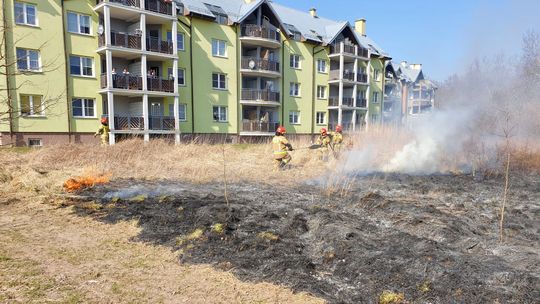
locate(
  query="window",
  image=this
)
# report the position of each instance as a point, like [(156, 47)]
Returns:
[(25, 13), (294, 117), (220, 114), (81, 66), (377, 74), (219, 48), (181, 111), (179, 40), (321, 65), (295, 61), (35, 142), (375, 97), (222, 19), (32, 105), (28, 60), (219, 81), (181, 76), (374, 117), (83, 107), (78, 23), (321, 92), (295, 89), (321, 118)]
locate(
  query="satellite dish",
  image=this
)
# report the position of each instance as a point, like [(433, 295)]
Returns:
[(100, 29), (252, 64)]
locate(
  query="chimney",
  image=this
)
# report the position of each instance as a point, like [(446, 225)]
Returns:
[(248, 1), (416, 66), (360, 26), (313, 12)]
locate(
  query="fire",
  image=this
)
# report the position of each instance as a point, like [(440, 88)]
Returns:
[(83, 182)]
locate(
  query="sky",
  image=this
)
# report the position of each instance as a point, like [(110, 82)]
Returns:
[(445, 36)]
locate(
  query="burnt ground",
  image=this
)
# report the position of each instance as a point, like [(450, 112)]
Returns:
[(433, 238)]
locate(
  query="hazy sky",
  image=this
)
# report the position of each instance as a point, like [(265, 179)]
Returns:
[(443, 35)]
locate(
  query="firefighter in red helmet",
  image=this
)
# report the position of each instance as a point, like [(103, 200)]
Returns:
[(103, 132), (337, 140), (324, 141), (281, 146)]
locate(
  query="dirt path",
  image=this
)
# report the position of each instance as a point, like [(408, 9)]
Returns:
[(48, 254)]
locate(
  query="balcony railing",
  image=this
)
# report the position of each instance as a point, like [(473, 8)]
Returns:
[(122, 40), (333, 101), (345, 126), (161, 123), (128, 122), (252, 63), (126, 82), (257, 126), (349, 49), (136, 3), (159, 46), (160, 85), (158, 6), (265, 95), (361, 77), (252, 30)]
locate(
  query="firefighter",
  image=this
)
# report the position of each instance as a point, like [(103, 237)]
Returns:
[(324, 141), (103, 131), (337, 140), (281, 146)]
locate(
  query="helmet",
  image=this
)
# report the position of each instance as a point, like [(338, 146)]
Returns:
[(104, 120), (339, 128), (324, 131), (281, 130)]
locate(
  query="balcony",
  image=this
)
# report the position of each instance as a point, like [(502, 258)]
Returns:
[(333, 101), (345, 126), (160, 85), (159, 46), (133, 3), (124, 40), (164, 123), (260, 67), (349, 49), (253, 126), (252, 34), (254, 96), (125, 82), (361, 103), (348, 76), (158, 6), (128, 122)]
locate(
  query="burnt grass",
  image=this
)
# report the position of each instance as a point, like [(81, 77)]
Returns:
[(433, 238)]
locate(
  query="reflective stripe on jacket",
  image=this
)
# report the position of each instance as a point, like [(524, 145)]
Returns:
[(279, 146)]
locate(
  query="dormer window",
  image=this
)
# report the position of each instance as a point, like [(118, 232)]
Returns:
[(221, 15)]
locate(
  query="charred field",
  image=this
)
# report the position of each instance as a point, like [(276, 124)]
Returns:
[(432, 238)]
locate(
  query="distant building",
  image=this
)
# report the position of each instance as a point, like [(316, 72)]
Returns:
[(407, 92)]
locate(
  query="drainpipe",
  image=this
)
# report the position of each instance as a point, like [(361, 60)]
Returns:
[(314, 86), (191, 73), (66, 54), (238, 82), (283, 82), (8, 82)]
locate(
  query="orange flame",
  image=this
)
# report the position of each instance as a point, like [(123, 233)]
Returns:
[(83, 182)]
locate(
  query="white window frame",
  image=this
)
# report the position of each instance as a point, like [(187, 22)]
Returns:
[(375, 97), (81, 66), (324, 89), (320, 62), (169, 72), (180, 106), (84, 103), (220, 75), (179, 37), (222, 110), (377, 74), (317, 116), (218, 47), (28, 61), (292, 116), (31, 106), (297, 88), (295, 61), (79, 17), (25, 13)]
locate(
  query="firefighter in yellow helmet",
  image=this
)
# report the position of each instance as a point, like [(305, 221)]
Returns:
[(324, 141), (337, 140), (281, 146), (103, 131)]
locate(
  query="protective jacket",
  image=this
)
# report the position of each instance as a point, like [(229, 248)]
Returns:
[(280, 146)]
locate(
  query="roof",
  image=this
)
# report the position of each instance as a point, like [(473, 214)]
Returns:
[(410, 74), (315, 29)]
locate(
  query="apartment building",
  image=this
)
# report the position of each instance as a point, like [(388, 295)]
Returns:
[(171, 68)]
